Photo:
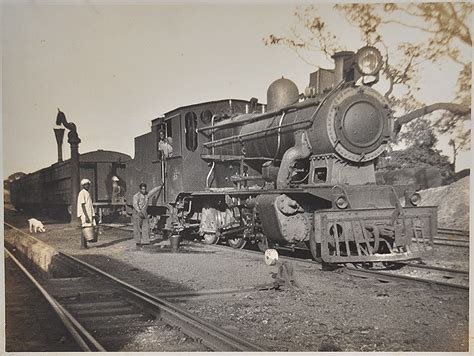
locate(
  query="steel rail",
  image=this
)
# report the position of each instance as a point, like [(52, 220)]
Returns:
[(463, 244), (368, 273), (450, 238), (212, 336), (399, 277), (77, 331), (386, 275), (447, 231), (202, 293), (435, 268), (449, 242)]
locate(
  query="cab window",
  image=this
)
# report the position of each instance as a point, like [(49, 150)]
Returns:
[(164, 144), (190, 126)]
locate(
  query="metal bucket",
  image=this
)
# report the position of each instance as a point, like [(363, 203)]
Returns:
[(174, 242), (90, 232)]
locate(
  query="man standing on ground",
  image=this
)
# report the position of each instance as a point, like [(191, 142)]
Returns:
[(141, 224), (85, 211), (117, 196)]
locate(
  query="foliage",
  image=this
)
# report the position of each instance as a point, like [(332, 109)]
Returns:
[(421, 151), (419, 157), (419, 133), (443, 27)]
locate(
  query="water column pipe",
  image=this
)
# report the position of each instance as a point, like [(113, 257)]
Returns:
[(74, 141), (59, 134)]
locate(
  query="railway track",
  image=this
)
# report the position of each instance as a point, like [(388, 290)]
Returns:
[(84, 339), (412, 272), (32, 323), (452, 237), (107, 314), (427, 274), (431, 275), (457, 232), (446, 237)]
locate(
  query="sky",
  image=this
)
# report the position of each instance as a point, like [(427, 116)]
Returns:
[(113, 68)]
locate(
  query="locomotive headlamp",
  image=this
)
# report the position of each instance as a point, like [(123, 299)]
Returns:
[(368, 60), (341, 202), (415, 199)]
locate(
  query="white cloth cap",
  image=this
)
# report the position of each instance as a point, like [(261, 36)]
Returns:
[(271, 257), (85, 181), (115, 179)]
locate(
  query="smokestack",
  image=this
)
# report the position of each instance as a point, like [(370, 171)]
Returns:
[(59, 133)]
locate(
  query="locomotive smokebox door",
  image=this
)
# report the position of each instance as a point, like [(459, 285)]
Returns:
[(359, 124)]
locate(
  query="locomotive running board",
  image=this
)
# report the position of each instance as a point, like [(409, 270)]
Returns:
[(374, 235)]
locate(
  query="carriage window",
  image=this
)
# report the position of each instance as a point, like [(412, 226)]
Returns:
[(190, 131)]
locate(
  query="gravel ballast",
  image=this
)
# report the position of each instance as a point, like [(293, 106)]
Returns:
[(332, 311)]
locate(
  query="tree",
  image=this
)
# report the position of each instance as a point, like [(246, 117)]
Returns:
[(445, 32), (455, 151), (420, 151)]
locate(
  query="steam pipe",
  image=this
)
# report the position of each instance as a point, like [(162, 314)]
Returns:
[(212, 133), (301, 150), (209, 175), (163, 176), (246, 118), (237, 138), (279, 136)]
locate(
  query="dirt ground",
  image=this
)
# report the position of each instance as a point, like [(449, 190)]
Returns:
[(331, 311)]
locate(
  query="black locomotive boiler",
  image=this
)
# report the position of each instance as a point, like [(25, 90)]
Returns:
[(300, 170)]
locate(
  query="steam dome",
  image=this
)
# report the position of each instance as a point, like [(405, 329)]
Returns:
[(280, 93)]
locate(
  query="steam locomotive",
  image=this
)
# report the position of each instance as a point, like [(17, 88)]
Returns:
[(300, 170)]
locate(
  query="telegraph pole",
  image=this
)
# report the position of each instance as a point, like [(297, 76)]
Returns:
[(74, 141)]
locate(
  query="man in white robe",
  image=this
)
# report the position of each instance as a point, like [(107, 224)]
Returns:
[(85, 211)]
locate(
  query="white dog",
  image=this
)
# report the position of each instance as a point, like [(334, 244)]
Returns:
[(36, 225)]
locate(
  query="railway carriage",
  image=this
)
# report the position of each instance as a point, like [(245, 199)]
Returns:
[(49, 189), (299, 171)]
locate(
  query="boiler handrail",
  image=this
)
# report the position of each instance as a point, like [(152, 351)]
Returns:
[(237, 138)]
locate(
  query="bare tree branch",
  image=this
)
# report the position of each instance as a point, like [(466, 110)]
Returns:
[(386, 22), (447, 35), (457, 109)]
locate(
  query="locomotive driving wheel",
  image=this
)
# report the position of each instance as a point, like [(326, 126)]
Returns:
[(238, 242), (210, 239)]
